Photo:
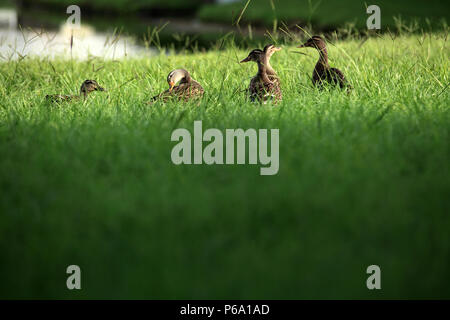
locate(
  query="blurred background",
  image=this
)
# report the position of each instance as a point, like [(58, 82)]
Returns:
[(116, 28)]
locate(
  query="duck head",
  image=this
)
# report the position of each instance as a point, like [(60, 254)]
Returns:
[(90, 85), (316, 42), (270, 49), (178, 75), (255, 55)]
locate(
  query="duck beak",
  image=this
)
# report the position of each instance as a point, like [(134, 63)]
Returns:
[(245, 60), (277, 49), (302, 46), (171, 85)]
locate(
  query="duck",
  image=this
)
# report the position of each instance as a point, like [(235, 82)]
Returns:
[(261, 88), (269, 50), (187, 88), (322, 71), (87, 87)]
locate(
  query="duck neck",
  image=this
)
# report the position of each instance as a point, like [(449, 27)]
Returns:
[(262, 71), (187, 78), (269, 69), (323, 57)]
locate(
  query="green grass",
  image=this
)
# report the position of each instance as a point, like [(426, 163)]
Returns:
[(330, 13), (364, 179)]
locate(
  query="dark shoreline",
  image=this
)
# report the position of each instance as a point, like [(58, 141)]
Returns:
[(182, 30)]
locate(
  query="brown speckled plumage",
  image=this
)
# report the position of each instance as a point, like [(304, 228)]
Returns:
[(87, 87), (186, 90), (262, 89)]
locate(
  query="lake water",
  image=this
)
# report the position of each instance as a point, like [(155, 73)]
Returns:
[(81, 43)]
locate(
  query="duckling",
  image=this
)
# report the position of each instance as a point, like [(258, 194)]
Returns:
[(261, 88), (186, 89), (322, 72), (86, 87)]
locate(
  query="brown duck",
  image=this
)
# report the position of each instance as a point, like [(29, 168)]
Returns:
[(322, 72), (87, 87), (269, 50), (187, 88), (261, 88)]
